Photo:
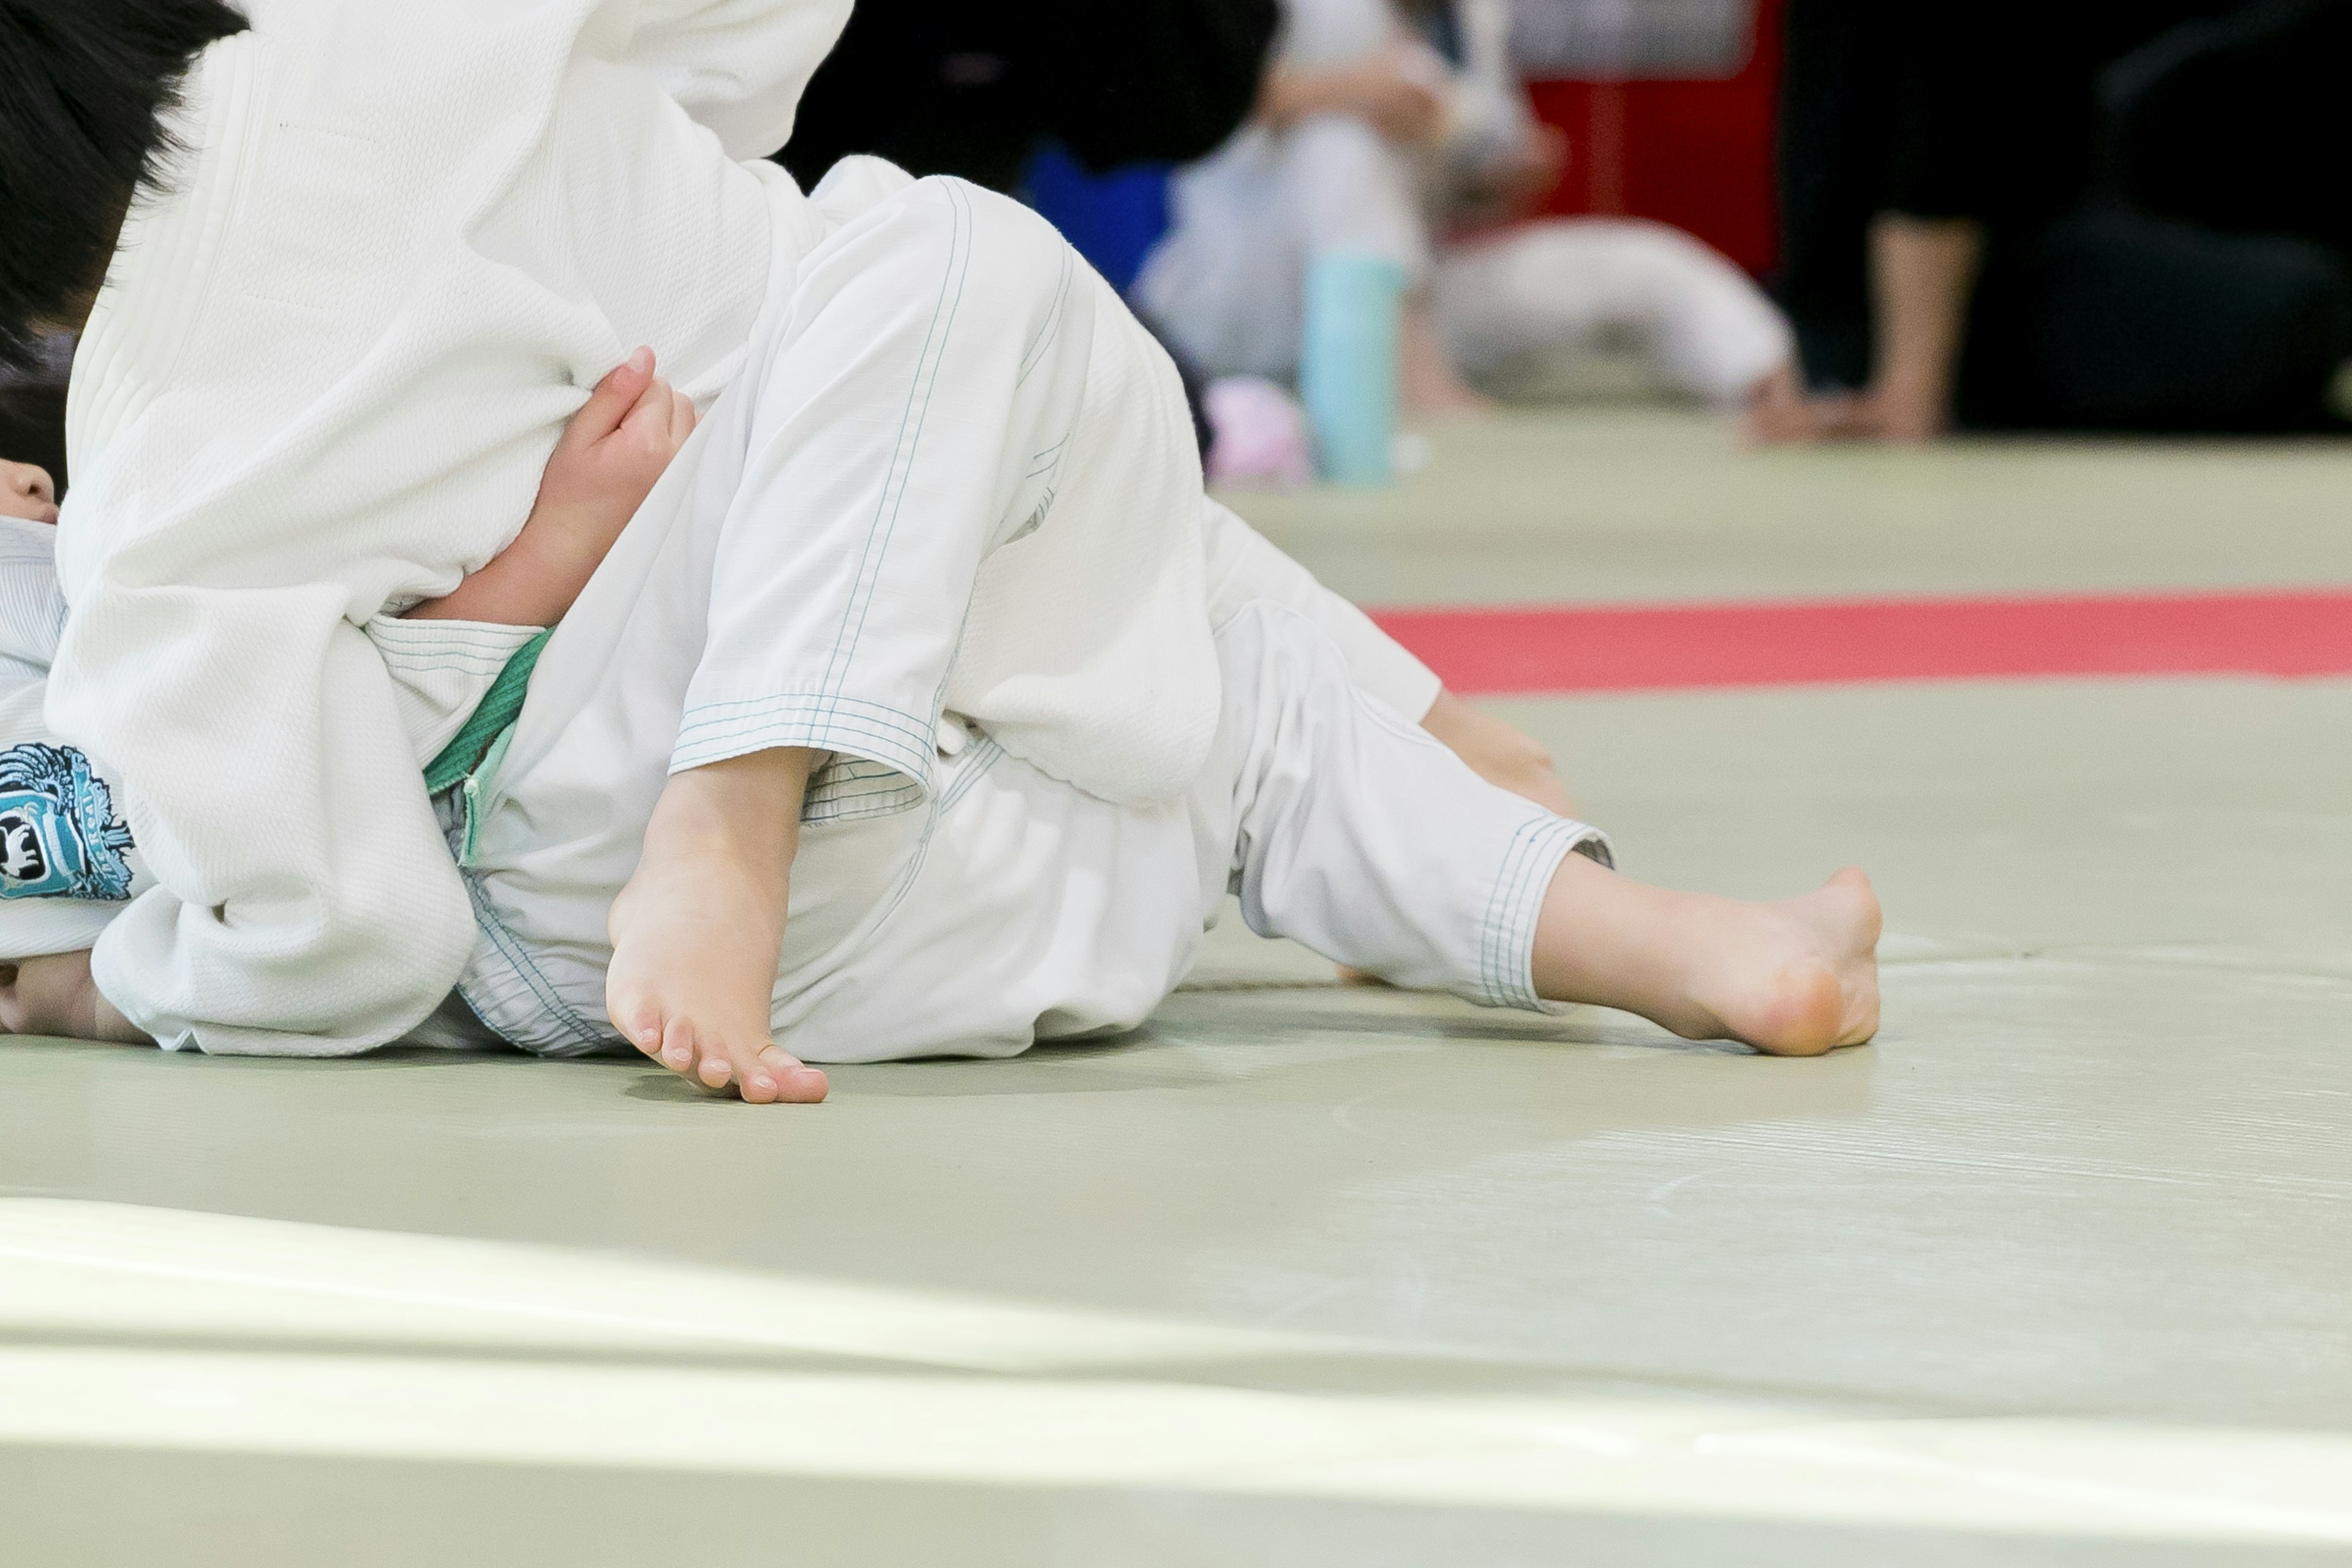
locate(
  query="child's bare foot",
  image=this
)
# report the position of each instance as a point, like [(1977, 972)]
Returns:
[(1793, 978), (697, 932)]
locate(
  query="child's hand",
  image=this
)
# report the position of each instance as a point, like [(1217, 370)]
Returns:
[(611, 454), (613, 450), (1401, 90)]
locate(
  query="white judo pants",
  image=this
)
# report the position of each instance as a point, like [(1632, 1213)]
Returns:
[(1228, 284), (949, 896), (1016, 909), (1036, 913)]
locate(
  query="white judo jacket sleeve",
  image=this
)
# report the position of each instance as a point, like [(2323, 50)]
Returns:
[(328, 365), (739, 66)]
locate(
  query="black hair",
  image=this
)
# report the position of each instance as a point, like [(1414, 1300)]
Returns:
[(84, 85)]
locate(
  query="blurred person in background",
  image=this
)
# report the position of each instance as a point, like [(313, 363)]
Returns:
[(1399, 128), (972, 88), (2106, 215)]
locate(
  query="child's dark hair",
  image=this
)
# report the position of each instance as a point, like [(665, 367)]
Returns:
[(83, 88)]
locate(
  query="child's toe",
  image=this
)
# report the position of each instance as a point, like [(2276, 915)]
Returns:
[(642, 1029), (796, 1082), (760, 1085), (678, 1047)]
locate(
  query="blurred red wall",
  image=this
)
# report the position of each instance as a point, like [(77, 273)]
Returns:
[(1697, 155)]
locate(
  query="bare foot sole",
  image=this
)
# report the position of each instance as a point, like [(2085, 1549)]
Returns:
[(1794, 978), (694, 966)]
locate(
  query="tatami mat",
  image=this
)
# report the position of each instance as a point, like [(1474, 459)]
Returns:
[(1309, 1274)]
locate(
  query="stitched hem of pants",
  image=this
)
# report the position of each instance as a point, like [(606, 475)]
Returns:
[(906, 726), (716, 733), (1506, 936)]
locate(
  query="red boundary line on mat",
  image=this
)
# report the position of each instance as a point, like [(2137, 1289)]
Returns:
[(1609, 647)]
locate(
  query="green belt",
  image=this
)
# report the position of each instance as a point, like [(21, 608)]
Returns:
[(463, 757)]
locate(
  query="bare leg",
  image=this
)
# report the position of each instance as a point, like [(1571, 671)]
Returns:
[(698, 930), (1428, 385), (1502, 756), (1793, 978)]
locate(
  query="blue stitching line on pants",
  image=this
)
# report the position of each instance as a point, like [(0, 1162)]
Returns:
[(511, 948), (911, 429), (1506, 933), (1053, 327)]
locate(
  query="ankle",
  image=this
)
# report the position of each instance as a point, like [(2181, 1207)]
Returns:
[(743, 808), (730, 830), (1607, 940)]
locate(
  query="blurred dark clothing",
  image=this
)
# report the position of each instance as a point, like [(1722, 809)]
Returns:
[(971, 86), (2104, 145), (2238, 123), (2106, 319)]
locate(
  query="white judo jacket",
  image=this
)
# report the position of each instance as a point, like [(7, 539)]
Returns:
[(325, 373)]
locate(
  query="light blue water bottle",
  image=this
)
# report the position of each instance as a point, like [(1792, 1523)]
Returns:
[(1347, 363)]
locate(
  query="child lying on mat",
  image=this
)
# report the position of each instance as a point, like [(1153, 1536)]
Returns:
[(1009, 908)]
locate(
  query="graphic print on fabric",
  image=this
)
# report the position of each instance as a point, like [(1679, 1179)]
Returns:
[(59, 837)]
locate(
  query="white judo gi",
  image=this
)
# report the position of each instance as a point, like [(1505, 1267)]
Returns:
[(1012, 907), (973, 904), (1009, 908), (1227, 284), (941, 383), (951, 896), (328, 367)]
